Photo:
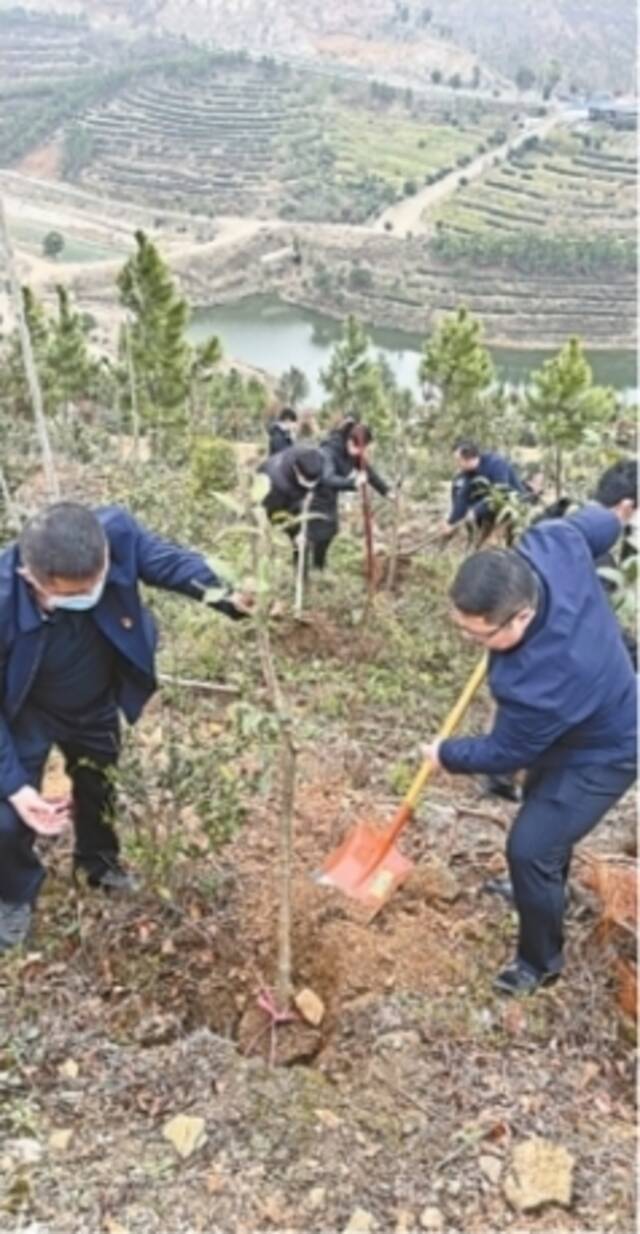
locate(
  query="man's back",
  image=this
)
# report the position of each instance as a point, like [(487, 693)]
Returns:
[(572, 664)]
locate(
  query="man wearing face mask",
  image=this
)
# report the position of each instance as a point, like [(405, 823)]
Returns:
[(76, 647), (566, 711)]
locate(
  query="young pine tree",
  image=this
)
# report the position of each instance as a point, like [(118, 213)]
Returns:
[(564, 404), (352, 379), (156, 355), (456, 362)]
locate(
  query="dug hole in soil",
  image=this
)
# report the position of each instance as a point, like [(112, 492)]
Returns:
[(165, 968)]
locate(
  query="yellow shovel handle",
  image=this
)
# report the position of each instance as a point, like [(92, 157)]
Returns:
[(450, 725)]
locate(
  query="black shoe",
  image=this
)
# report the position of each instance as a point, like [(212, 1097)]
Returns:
[(108, 875), (498, 786), (517, 980), (15, 923)]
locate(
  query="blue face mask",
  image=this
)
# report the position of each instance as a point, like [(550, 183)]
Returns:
[(79, 603)]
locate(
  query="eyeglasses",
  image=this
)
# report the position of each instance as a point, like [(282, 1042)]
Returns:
[(484, 635)]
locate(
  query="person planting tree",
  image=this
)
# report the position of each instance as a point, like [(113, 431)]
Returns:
[(346, 469), (77, 647), (478, 470), (566, 711)]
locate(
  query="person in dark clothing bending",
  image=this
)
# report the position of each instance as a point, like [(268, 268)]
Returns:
[(293, 475), (469, 501), (346, 469), (617, 491), (76, 648), (566, 711), (282, 430)]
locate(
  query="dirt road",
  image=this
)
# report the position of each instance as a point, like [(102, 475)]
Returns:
[(407, 215)]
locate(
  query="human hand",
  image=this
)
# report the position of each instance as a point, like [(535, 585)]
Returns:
[(361, 478), (432, 753), (447, 529), (47, 818), (238, 604)]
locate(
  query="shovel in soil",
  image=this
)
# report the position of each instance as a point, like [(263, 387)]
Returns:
[(367, 866)]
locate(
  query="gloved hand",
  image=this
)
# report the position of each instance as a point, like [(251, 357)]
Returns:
[(238, 605)]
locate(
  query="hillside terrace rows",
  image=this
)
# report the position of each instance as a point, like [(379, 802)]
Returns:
[(50, 52), (548, 193), (223, 140)]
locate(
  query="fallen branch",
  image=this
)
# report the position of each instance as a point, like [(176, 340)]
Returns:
[(469, 812), (207, 687)]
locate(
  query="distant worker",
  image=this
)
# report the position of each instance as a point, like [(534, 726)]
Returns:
[(346, 469), (470, 501), (293, 475), (282, 430), (566, 712), (77, 647)]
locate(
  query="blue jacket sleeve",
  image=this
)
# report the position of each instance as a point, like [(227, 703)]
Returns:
[(519, 736), (599, 526), (166, 565), (12, 774)]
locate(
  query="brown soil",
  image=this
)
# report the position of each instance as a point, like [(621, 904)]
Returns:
[(44, 162)]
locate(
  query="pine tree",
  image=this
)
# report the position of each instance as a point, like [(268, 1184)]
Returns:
[(353, 379), (292, 387), (13, 380), (456, 362), (160, 357), (72, 368), (565, 404)]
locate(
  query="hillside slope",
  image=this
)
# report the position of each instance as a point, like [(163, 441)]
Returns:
[(594, 43)]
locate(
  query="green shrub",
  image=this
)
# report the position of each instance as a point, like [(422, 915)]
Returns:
[(213, 465)]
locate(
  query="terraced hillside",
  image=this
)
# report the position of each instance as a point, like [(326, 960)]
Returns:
[(246, 138), (221, 144), (52, 69), (567, 203)]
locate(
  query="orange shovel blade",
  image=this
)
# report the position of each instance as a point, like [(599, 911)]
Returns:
[(365, 867)]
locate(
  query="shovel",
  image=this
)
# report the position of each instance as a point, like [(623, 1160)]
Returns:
[(367, 866)]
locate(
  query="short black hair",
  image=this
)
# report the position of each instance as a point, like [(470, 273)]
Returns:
[(64, 541), (618, 483), (467, 448), (287, 414), (493, 584)]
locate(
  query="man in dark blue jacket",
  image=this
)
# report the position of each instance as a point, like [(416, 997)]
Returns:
[(566, 711), (477, 470), (76, 647)]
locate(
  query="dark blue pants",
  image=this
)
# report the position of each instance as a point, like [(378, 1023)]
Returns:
[(560, 807), (90, 751)]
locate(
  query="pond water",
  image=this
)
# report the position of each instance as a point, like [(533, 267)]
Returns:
[(270, 335)]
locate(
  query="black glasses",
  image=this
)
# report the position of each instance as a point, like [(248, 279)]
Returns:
[(485, 634)]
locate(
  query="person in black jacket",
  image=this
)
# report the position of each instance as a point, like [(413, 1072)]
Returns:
[(293, 474), (282, 430), (346, 469)]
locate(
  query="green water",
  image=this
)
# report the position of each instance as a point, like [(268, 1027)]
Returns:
[(269, 335)]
